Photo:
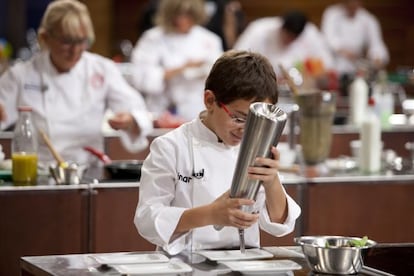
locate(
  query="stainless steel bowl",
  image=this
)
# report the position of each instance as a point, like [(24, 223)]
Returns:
[(332, 254)]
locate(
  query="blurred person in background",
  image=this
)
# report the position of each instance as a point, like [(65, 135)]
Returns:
[(226, 19), (354, 36), (289, 40), (173, 59), (70, 89)]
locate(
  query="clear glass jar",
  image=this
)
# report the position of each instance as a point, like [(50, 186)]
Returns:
[(24, 149)]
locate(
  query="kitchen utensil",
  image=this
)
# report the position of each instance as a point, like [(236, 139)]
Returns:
[(52, 149), (332, 254), (69, 175), (264, 126), (118, 169)]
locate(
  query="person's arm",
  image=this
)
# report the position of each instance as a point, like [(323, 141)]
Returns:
[(317, 44), (177, 71), (224, 211), (148, 73), (267, 172), (329, 28), (250, 39), (131, 115), (377, 50), (8, 99)]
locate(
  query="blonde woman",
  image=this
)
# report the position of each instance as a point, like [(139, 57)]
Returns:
[(69, 89), (173, 58)]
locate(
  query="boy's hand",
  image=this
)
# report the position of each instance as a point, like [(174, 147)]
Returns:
[(266, 169), (226, 211)]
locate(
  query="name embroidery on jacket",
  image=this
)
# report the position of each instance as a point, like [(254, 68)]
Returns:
[(185, 179)]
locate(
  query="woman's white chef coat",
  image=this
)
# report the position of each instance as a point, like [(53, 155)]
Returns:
[(70, 106), (262, 36), (157, 51), (189, 167), (358, 34)]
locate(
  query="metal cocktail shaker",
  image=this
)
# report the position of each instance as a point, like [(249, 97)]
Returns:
[(264, 126)]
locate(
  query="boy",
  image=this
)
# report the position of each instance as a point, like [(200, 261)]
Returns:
[(186, 178)]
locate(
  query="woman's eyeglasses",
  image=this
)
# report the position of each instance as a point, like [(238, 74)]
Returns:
[(67, 42), (234, 118)]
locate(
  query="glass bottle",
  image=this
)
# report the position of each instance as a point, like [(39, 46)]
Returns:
[(24, 149)]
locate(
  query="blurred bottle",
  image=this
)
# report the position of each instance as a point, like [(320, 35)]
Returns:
[(384, 99), (358, 96), (24, 149), (371, 146)]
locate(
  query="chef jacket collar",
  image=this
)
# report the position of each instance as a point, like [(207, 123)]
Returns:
[(203, 133)]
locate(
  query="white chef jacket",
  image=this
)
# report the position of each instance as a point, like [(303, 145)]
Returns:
[(157, 51), (358, 34), (262, 36), (169, 186), (70, 106)]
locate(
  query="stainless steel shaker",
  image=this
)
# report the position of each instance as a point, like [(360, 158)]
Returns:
[(264, 126)]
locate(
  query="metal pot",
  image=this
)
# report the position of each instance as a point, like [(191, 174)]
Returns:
[(118, 169)]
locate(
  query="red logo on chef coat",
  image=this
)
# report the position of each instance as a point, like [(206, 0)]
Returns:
[(97, 80)]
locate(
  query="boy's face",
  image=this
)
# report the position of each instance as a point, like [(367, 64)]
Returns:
[(227, 121)]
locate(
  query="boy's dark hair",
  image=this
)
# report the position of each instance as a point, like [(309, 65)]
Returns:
[(294, 22), (242, 75)]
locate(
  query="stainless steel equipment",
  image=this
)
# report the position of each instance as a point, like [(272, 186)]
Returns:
[(316, 114), (70, 175), (264, 126)]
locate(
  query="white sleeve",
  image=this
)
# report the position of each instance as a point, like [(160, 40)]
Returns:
[(250, 39), (8, 97), (376, 45), (328, 29), (280, 229), (123, 98), (155, 218), (148, 72), (320, 46)]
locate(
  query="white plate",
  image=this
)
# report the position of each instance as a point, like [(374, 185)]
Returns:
[(285, 251), (229, 255), (172, 267), (263, 266), (130, 258)]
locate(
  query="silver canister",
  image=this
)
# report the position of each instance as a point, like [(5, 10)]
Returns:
[(264, 126)]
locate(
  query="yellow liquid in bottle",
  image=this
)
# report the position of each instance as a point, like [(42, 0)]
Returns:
[(24, 171)]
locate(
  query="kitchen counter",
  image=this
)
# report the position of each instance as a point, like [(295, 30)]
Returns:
[(392, 258), (94, 218)]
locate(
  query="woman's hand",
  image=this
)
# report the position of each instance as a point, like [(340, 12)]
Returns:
[(226, 211), (124, 121), (266, 169)]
